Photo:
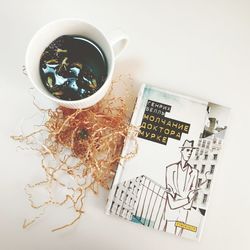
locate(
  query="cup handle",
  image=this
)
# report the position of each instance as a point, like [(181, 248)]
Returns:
[(118, 40)]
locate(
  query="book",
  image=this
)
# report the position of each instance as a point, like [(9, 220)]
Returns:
[(167, 184)]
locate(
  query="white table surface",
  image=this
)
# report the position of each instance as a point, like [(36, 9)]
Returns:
[(195, 47)]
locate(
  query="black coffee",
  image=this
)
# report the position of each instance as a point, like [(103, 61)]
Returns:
[(73, 67)]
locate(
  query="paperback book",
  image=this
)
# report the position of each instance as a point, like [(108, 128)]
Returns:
[(167, 185)]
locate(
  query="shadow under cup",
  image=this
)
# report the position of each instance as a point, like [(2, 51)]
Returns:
[(46, 35)]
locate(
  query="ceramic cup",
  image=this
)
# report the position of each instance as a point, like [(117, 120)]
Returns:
[(111, 45)]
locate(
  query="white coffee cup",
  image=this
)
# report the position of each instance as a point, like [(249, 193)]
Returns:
[(111, 46)]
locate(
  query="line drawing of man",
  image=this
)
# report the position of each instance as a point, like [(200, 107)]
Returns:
[(181, 185)]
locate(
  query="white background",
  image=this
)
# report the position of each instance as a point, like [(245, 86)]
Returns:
[(195, 47)]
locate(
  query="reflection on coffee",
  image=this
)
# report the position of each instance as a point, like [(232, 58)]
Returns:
[(73, 67)]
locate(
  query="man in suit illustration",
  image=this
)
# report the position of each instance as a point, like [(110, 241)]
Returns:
[(181, 186)]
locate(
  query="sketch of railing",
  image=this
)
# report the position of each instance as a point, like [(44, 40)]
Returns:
[(140, 200)]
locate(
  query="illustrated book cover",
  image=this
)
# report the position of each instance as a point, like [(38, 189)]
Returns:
[(167, 184)]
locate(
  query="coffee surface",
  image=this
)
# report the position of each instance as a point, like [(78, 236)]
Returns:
[(73, 67)]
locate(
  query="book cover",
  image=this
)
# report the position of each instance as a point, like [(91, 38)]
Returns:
[(167, 185)]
